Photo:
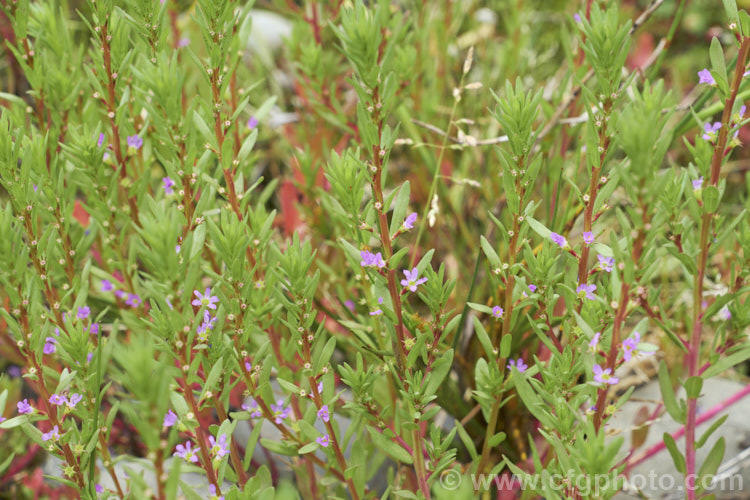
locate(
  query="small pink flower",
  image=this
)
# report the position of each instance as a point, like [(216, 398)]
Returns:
[(205, 299), (604, 376), (412, 280), (518, 364)]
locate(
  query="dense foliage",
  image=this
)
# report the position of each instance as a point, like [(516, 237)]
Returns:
[(402, 247)]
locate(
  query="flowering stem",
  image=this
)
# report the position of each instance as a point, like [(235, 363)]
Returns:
[(111, 102), (52, 415), (706, 220), (235, 451), (385, 239), (332, 435), (200, 434), (594, 184)]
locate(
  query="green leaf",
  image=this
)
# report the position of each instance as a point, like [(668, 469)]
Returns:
[(199, 237), (667, 394), (490, 252), (325, 355), (693, 387), (467, 441), (677, 458), (213, 377), (484, 339), (279, 447), (727, 363), (505, 345), (710, 431), (713, 460), (252, 441), (533, 402), (309, 447), (538, 227), (496, 439), (686, 261), (711, 199), (391, 448), (400, 207), (440, 368), (204, 130), (730, 8), (716, 54)]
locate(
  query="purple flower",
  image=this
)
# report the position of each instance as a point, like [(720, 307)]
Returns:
[(577, 17), (212, 492), (83, 312), (208, 320), (49, 345), (89, 356), (94, 329), (588, 237), (710, 130), (107, 286), (630, 345), (54, 434), (595, 342), (323, 441), (559, 239), (705, 76), (101, 140), (205, 300), (280, 413), (24, 408), (586, 291), (377, 311), (532, 287), (252, 408), (120, 294), (134, 141), (58, 400), (220, 448), (606, 263), (412, 280), (252, 122), (497, 311), (74, 400), (99, 488), (371, 259), (248, 366), (519, 364), (170, 419), (184, 42), (349, 304), (698, 183), (410, 220), (323, 413), (604, 376), (133, 300), (741, 113), (186, 452), (168, 184), (725, 313)]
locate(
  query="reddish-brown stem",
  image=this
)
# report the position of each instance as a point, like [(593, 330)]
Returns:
[(693, 357), (234, 455)]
